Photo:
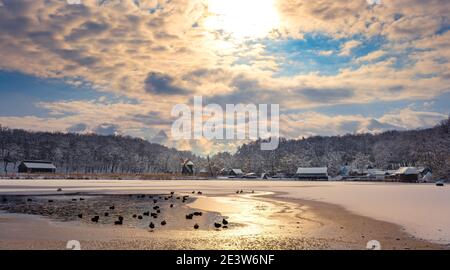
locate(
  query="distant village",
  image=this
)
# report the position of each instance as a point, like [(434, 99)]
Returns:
[(28, 168)]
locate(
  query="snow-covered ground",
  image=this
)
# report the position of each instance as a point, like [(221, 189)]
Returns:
[(422, 209)]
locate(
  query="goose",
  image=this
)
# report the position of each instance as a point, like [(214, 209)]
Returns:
[(225, 227), (198, 213), (196, 226), (217, 225), (81, 199), (155, 201), (118, 222), (120, 218), (74, 200), (140, 217), (59, 190), (80, 215), (171, 206), (134, 216), (190, 216), (152, 226), (193, 192), (29, 200), (163, 223), (158, 211), (146, 214), (199, 193), (172, 192), (225, 222), (106, 214), (95, 219), (50, 201), (112, 207)]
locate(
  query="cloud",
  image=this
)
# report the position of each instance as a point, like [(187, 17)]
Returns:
[(347, 48), (107, 129), (375, 55), (326, 95), (158, 83)]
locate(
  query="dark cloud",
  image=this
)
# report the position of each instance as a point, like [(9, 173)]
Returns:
[(77, 128), (326, 95), (107, 129), (152, 118), (88, 29), (158, 83)]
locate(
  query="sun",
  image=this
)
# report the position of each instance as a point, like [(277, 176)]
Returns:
[(243, 19)]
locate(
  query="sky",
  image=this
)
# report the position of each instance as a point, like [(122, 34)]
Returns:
[(119, 66)]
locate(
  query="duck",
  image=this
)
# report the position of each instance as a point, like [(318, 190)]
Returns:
[(190, 216), (198, 213), (80, 215), (152, 226), (196, 226), (81, 199), (95, 219), (163, 223), (29, 200), (118, 222), (74, 200), (225, 222), (134, 216), (146, 213), (140, 217), (59, 190), (120, 218), (225, 227), (172, 192), (112, 207), (50, 201), (193, 192), (155, 201), (171, 206), (155, 207), (199, 193), (106, 214), (217, 225)]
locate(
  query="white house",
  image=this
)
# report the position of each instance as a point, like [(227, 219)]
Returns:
[(312, 173)]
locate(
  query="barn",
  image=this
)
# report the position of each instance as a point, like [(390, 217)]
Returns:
[(36, 166), (407, 174), (313, 173)]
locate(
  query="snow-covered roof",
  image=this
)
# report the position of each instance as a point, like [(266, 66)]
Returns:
[(237, 171), (407, 170), (189, 163), (39, 165), (318, 170), (376, 172)]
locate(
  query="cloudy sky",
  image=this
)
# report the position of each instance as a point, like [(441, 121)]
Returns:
[(119, 66)]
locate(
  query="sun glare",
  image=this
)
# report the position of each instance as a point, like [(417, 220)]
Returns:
[(243, 19)]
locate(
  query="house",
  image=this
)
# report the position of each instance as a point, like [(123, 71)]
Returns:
[(407, 174), (319, 173), (187, 167), (36, 166)]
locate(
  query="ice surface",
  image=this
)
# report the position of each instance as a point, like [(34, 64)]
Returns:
[(422, 209)]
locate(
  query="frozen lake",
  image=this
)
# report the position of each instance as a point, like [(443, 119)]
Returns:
[(422, 209)]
